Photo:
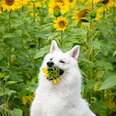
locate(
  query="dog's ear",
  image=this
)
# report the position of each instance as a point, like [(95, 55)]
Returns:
[(74, 52), (54, 46)]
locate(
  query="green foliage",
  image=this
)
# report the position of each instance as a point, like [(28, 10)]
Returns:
[(24, 40), (109, 82), (16, 112)]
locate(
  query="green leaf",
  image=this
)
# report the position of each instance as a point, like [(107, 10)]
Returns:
[(109, 83), (16, 112), (10, 83), (40, 53), (100, 108), (6, 91)]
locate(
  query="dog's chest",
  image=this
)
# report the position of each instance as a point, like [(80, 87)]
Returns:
[(56, 104)]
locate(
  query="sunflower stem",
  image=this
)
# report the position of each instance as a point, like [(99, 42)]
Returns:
[(61, 38), (22, 6), (104, 13), (92, 4), (113, 19), (9, 20), (39, 43), (33, 11)]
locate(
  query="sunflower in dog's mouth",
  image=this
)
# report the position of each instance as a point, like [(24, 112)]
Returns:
[(53, 74)]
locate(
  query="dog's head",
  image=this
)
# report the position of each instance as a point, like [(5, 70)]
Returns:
[(64, 61)]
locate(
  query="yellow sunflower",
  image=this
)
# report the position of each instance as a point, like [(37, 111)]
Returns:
[(54, 9), (59, 2), (45, 71), (54, 81), (34, 4), (60, 23), (96, 1), (10, 5), (85, 2), (65, 7), (24, 2), (72, 3), (58, 7), (106, 3), (79, 15), (99, 13), (0, 10)]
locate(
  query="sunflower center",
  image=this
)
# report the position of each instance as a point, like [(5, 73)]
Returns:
[(70, 1), (9, 2), (104, 1), (56, 8), (62, 24), (60, 1)]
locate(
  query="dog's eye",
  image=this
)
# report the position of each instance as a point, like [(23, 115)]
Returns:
[(61, 61)]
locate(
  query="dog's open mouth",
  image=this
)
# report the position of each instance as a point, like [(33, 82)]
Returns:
[(53, 74)]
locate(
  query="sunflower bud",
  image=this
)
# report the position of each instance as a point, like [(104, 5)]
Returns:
[(57, 12), (93, 14)]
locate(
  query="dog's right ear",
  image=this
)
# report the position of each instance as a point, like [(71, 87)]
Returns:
[(74, 52), (54, 46)]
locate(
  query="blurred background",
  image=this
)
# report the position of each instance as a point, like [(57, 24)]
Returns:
[(26, 30)]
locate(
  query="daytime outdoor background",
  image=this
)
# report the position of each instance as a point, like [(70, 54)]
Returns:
[(26, 30)]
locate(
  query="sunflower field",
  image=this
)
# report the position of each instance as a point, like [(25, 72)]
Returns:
[(26, 30)]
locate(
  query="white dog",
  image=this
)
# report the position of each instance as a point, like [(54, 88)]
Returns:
[(63, 99)]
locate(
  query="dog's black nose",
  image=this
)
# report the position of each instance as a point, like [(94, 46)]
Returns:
[(50, 64)]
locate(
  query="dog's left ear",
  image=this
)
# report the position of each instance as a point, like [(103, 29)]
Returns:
[(54, 46), (74, 52)]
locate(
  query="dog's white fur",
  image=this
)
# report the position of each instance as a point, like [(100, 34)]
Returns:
[(63, 99)]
